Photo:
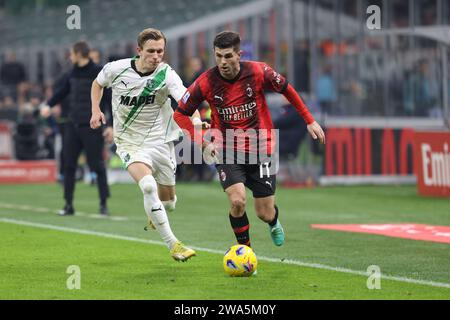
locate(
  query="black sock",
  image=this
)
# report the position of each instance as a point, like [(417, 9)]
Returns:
[(274, 221), (241, 228)]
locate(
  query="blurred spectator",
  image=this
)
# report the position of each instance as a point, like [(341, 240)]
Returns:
[(8, 102), (428, 15), (292, 131), (202, 171), (27, 137), (302, 66), (421, 91), (62, 121), (326, 91), (95, 56), (8, 112), (8, 109), (400, 16), (30, 109), (11, 74), (196, 68), (45, 129)]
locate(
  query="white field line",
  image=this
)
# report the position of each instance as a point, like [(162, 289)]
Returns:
[(262, 258), (48, 210)]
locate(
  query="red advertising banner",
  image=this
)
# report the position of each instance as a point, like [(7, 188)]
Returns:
[(6, 148), (369, 151), (433, 163), (28, 171)]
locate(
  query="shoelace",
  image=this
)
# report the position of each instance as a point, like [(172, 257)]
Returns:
[(277, 231)]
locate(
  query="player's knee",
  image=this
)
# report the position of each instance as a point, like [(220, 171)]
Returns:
[(262, 207), (170, 205), (148, 185), (238, 204), (265, 211)]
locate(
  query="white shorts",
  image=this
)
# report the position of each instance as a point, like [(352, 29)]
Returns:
[(160, 158)]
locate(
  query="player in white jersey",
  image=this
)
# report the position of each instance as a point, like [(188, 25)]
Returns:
[(144, 129)]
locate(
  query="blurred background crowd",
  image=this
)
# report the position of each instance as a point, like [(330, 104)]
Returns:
[(323, 47)]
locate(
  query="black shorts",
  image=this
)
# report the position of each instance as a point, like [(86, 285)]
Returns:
[(256, 177)]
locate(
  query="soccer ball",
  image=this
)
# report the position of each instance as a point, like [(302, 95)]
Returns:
[(240, 261)]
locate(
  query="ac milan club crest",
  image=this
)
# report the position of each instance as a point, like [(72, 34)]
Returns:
[(223, 176), (249, 91)]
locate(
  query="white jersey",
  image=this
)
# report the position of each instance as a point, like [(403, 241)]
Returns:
[(141, 108)]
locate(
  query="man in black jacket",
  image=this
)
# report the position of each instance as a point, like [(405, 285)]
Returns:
[(12, 73), (79, 135)]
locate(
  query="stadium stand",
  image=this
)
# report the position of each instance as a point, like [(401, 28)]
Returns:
[(347, 73)]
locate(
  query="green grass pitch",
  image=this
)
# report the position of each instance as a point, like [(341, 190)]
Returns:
[(119, 260)]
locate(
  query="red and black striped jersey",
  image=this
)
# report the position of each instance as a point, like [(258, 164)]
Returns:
[(238, 103)]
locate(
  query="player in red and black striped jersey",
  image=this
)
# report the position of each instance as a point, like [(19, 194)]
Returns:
[(235, 93)]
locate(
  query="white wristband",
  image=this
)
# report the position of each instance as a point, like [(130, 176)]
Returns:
[(197, 122)]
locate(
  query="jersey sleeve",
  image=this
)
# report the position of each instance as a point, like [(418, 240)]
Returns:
[(191, 99), (273, 80), (175, 85), (106, 75)]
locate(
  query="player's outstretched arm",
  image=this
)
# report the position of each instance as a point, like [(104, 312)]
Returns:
[(208, 148), (185, 123), (314, 129), (97, 118)]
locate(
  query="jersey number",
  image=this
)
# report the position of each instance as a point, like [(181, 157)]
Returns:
[(265, 165)]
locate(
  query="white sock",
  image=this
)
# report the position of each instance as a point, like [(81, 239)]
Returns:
[(170, 204), (155, 210)]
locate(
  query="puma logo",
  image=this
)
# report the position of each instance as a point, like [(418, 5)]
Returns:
[(219, 98), (269, 183), (157, 209), (125, 84)]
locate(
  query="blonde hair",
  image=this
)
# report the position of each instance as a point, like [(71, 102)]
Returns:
[(150, 34)]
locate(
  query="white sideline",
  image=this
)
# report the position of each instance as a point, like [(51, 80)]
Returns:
[(292, 262)]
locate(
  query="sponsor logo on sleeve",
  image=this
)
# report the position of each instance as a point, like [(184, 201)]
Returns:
[(186, 97)]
